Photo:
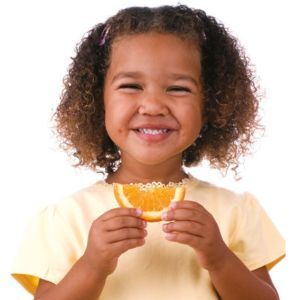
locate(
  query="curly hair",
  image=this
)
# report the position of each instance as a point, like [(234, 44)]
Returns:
[(229, 90)]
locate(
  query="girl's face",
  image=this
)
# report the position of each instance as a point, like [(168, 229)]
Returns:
[(153, 97)]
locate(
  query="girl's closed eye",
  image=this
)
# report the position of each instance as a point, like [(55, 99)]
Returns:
[(130, 87), (179, 90)]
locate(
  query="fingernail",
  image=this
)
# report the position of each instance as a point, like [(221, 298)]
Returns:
[(168, 236), (145, 223), (173, 205), (164, 216), (138, 212)]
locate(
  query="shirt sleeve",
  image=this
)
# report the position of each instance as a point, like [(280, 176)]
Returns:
[(47, 250), (256, 240)]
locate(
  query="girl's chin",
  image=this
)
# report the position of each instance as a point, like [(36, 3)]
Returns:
[(155, 159)]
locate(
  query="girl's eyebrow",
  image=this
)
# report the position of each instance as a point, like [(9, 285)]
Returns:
[(185, 77), (175, 76), (127, 75)]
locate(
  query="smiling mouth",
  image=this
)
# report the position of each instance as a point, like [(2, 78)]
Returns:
[(153, 131)]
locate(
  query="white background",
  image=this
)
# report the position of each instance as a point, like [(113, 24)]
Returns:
[(37, 41)]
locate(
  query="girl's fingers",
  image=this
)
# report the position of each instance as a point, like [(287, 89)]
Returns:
[(193, 228), (187, 210), (183, 238), (185, 214), (189, 205), (124, 222), (125, 234), (121, 211), (122, 246)]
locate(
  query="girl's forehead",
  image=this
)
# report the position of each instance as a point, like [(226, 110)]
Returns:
[(163, 36), (155, 54), (154, 42)]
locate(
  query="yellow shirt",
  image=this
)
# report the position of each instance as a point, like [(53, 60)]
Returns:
[(160, 269)]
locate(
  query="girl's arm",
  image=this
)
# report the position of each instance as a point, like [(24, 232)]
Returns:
[(80, 283), (233, 280), (115, 232), (191, 224)]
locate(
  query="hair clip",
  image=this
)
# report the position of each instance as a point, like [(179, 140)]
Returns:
[(104, 35)]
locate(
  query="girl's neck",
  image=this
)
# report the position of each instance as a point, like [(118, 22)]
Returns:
[(149, 173)]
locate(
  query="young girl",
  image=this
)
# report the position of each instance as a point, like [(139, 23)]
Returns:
[(150, 91)]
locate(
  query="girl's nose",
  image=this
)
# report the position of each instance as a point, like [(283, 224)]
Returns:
[(153, 104)]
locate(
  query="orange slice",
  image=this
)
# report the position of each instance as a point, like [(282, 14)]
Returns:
[(153, 199)]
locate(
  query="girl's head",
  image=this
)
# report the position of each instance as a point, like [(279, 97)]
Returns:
[(215, 102)]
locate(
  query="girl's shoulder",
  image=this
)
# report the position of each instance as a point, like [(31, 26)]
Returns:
[(216, 196), (86, 203)]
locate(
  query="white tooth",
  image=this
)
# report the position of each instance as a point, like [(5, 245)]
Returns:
[(153, 131)]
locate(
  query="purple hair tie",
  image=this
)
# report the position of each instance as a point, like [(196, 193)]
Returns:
[(104, 35)]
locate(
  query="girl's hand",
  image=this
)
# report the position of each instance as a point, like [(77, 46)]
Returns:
[(193, 225), (113, 233)]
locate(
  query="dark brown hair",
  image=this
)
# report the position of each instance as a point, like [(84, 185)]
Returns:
[(229, 90)]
